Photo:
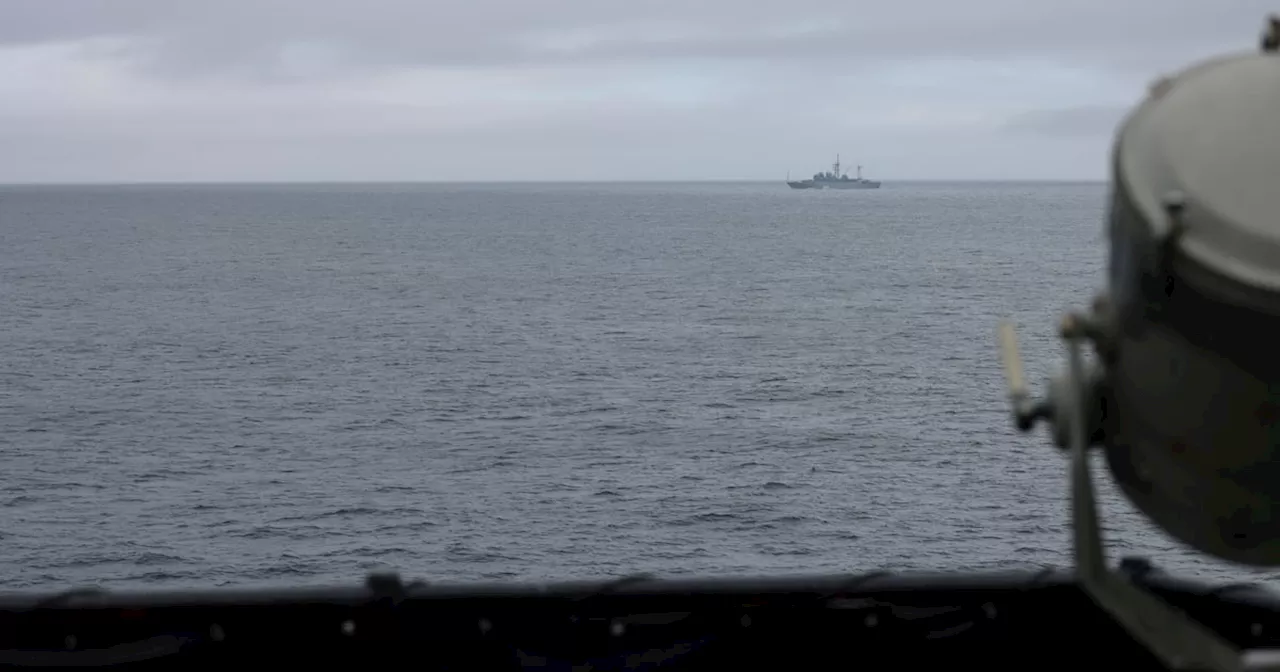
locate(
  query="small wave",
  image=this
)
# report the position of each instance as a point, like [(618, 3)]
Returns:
[(90, 560), (288, 570), (21, 500), (777, 485), (157, 559), (685, 554), (754, 527), (394, 488), (460, 553), (350, 512), (292, 533), (366, 551), (336, 513), (415, 526), (704, 518), (159, 576), (585, 411), (788, 550), (627, 430), (161, 475)]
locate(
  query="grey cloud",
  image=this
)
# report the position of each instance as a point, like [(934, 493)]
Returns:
[(248, 35), (1086, 120)]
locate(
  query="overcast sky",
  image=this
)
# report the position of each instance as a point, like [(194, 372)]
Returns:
[(246, 90)]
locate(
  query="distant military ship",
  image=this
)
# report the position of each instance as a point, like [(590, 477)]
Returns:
[(834, 179)]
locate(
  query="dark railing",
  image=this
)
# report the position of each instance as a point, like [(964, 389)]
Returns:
[(877, 621)]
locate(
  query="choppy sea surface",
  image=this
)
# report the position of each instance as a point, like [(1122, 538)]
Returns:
[(211, 385)]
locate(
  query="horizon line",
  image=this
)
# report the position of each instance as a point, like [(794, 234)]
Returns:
[(148, 183)]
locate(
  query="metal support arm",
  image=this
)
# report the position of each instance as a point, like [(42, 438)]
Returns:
[(1177, 640)]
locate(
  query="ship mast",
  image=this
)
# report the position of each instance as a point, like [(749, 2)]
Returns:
[(836, 167)]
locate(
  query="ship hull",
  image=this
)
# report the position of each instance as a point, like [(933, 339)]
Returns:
[(851, 184), (834, 184)]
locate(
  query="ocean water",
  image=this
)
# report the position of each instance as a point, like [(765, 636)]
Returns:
[(251, 385)]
